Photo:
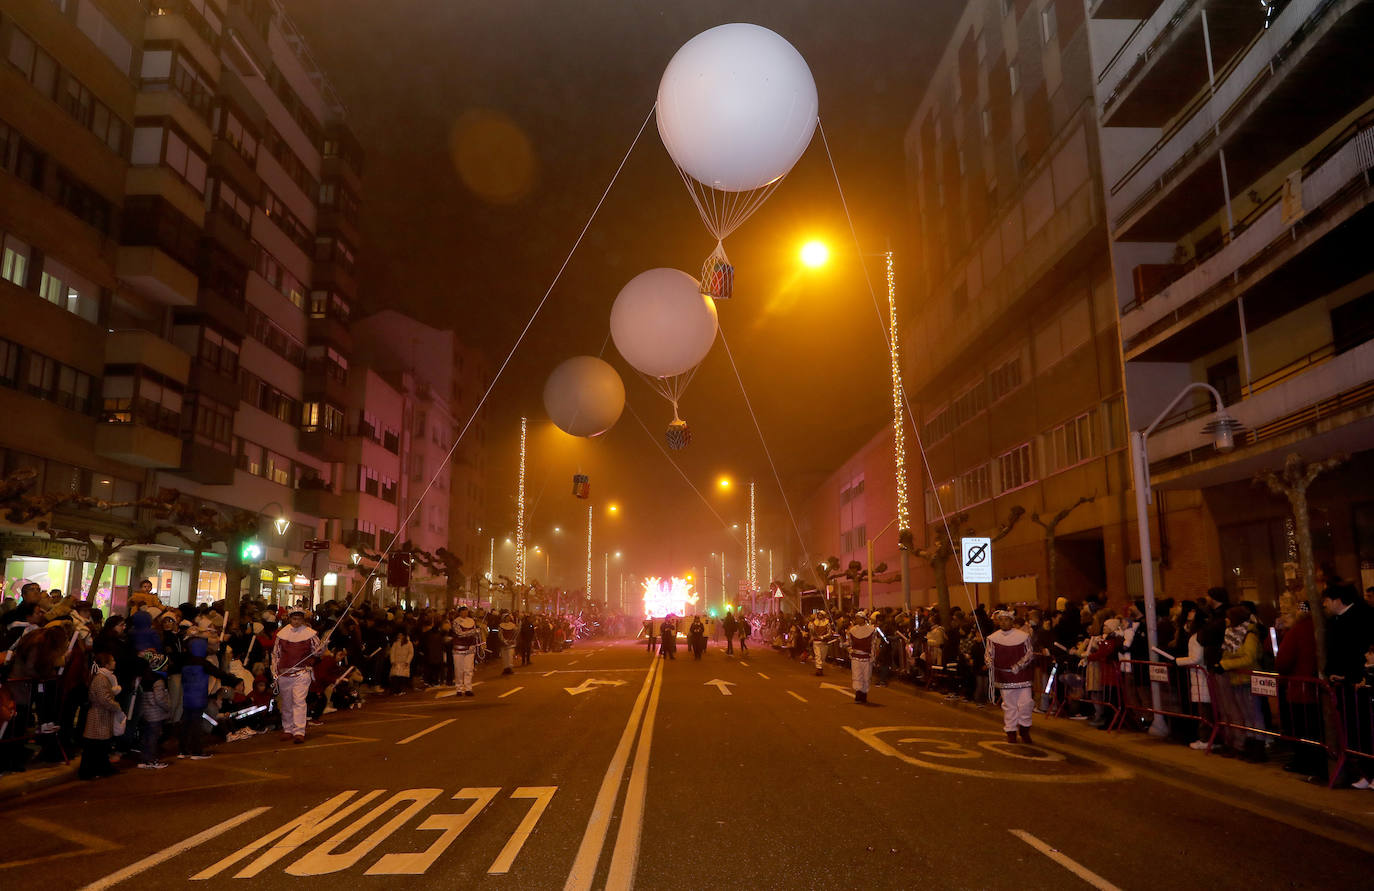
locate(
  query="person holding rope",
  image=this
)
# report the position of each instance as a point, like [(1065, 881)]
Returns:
[(861, 638), (293, 660), (466, 639), (821, 635), (1011, 656)]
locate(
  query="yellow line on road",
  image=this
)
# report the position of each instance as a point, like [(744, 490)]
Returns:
[(1068, 863), (510, 692), (594, 838), (764, 676), (625, 857), (796, 696), (168, 853), (415, 736), (89, 844)]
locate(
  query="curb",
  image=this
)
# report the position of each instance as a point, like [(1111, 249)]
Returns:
[(21, 784)]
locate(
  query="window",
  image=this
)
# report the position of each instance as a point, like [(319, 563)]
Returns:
[(137, 395), (37, 67), (1005, 378), (157, 143), (104, 35), (974, 486), (1049, 23), (9, 363), (232, 206), (229, 127), (271, 269), (267, 332), (1069, 443), (54, 382), (277, 468), (209, 423), (252, 457), (14, 262), (1014, 468), (64, 288), (85, 203)]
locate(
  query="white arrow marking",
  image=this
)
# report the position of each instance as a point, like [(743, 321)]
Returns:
[(591, 684), (722, 686), (844, 690)]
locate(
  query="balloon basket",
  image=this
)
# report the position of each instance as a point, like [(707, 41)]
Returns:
[(582, 485), (717, 278), (679, 435)]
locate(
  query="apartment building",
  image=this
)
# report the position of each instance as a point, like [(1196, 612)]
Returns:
[(1011, 355), (468, 534), (1237, 146), (179, 214)]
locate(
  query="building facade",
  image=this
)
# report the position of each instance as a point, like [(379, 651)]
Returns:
[(1011, 356), (1237, 147)]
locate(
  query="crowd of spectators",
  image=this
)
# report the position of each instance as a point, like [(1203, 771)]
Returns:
[(146, 688)]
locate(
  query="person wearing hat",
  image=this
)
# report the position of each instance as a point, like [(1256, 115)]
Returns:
[(294, 652), (508, 631), (466, 639), (821, 635), (861, 640), (154, 707), (1010, 656)]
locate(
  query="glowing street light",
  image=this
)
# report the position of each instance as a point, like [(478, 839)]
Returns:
[(815, 254), (724, 483)]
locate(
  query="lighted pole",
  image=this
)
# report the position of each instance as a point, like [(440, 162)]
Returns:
[(606, 579), (898, 439), (520, 514), (753, 563), (589, 552)]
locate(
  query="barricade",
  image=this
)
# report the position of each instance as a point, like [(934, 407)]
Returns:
[(1355, 713), (1185, 693), (1264, 705)]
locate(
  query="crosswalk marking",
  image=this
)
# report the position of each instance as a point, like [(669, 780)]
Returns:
[(510, 692), (796, 696), (415, 736)]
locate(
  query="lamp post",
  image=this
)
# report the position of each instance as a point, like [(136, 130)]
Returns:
[(1223, 430)]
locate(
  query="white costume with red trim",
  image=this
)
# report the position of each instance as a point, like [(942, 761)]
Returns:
[(1010, 656), (293, 660)]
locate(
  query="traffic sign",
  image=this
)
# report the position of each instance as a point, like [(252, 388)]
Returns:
[(317, 544), (976, 560)]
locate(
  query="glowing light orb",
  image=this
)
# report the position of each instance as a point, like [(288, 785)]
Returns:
[(671, 596), (815, 254)]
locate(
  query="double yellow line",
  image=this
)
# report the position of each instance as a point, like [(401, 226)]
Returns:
[(625, 855)]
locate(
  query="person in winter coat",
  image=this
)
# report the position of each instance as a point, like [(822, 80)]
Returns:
[(401, 653), (667, 647), (142, 635), (100, 716), (154, 708), (1295, 661), (1195, 666), (696, 637), (432, 646), (196, 671)]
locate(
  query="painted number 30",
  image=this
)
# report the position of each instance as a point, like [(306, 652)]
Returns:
[(335, 854)]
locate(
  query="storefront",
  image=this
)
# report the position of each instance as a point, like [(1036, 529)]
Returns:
[(65, 566)]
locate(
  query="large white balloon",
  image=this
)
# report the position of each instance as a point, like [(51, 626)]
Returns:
[(662, 324), (736, 107), (584, 396)]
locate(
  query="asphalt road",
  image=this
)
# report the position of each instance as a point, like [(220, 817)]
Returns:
[(599, 767)]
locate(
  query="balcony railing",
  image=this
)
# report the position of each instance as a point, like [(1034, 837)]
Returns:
[(193, 17), (1327, 180), (1212, 113)]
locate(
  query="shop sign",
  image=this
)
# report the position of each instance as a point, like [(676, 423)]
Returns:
[(49, 549)]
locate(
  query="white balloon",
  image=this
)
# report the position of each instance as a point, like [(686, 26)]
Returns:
[(584, 396), (736, 107), (662, 324)]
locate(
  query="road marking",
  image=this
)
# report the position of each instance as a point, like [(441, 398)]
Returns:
[(86, 843), (745, 664), (590, 670), (454, 692), (288, 838), (948, 749), (796, 696), (574, 661), (542, 795), (764, 676), (325, 858), (451, 825), (1068, 863), (722, 686), (591, 684), (625, 856), (180, 847), (594, 838), (547, 673), (843, 690), (510, 692), (415, 736)]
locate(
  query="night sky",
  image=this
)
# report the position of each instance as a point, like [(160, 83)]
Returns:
[(491, 130)]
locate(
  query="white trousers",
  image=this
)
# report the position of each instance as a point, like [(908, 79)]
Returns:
[(507, 656), (1017, 704), (293, 689), (462, 668), (862, 670), (818, 649)]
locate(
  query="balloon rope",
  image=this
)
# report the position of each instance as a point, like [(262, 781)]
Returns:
[(887, 341), (685, 478), (504, 364), (806, 554)]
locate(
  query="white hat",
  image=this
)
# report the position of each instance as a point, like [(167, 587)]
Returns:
[(466, 623)]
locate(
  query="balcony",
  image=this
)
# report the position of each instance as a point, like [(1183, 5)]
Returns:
[(1320, 405), (1285, 89), (334, 275), (179, 21), (140, 446), (230, 232), (1163, 64), (153, 273), (228, 162), (315, 499), (191, 110), (1303, 246), (325, 382), (322, 444), (329, 327), (206, 465), (134, 347)]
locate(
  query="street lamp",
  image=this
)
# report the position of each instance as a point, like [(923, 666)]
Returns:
[(1223, 429)]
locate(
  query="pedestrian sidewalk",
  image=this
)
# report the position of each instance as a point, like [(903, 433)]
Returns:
[(37, 777)]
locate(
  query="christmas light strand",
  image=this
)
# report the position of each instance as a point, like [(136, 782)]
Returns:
[(589, 552), (520, 513), (898, 428)]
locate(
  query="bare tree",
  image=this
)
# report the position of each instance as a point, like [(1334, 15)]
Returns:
[(1052, 556)]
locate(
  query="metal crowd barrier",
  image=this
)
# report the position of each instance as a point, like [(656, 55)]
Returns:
[(36, 704)]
